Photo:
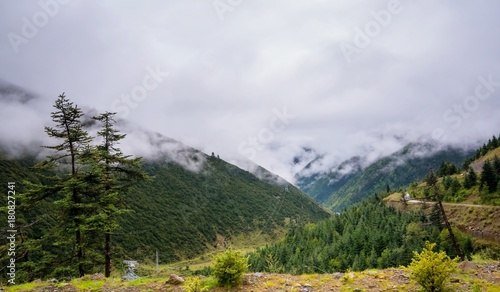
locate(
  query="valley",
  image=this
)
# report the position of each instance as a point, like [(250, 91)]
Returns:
[(350, 182), (253, 146), (348, 229)]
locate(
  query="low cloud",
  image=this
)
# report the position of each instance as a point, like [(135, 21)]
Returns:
[(154, 146), (23, 132), (225, 76)]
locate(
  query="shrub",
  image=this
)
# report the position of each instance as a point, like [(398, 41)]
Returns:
[(229, 268), (432, 269), (206, 271), (194, 284), (476, 288)]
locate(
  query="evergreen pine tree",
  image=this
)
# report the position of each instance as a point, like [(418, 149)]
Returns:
[(495, 142), (455, 186), (489, 177), (470, 178), (496, 166), (113, 173), (67, 158)]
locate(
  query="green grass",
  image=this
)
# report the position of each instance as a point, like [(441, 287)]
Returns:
[(143, 281), (358, 281), (394, 197), (86, 284), (270, 284), (26, 286)]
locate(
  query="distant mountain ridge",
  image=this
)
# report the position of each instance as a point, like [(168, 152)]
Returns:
[(350, 183), (12, 93), (320, 186)]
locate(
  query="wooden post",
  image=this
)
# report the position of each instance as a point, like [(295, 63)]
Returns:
[(157, 266)]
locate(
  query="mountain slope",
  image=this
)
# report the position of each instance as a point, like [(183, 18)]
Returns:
[(195, 202), (182, 212), (338, 189), (469, 186)]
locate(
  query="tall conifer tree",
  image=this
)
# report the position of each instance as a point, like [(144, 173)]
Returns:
[(113, 173), (67, 158)]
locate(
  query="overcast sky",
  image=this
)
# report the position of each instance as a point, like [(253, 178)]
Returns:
[(261, 79)]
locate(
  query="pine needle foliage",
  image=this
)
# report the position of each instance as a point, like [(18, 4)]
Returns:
[(229, 268), (432, 270)]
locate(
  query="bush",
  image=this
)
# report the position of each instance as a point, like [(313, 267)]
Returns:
[(229, 268), (432, 269), (206, 271), (194, 284)]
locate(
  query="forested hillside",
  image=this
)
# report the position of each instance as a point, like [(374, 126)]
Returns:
[(368, 235), (181, 212), (86, 206), (487, 151), (477, 181), (372, 234), (339, 189)]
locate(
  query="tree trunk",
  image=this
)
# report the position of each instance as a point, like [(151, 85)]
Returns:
[(79, 253), (78, 233), (454, 242), (107, 255)]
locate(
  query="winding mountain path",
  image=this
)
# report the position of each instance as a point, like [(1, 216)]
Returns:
[(452, 204)]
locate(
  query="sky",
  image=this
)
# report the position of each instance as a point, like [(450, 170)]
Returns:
[(262, 79)]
